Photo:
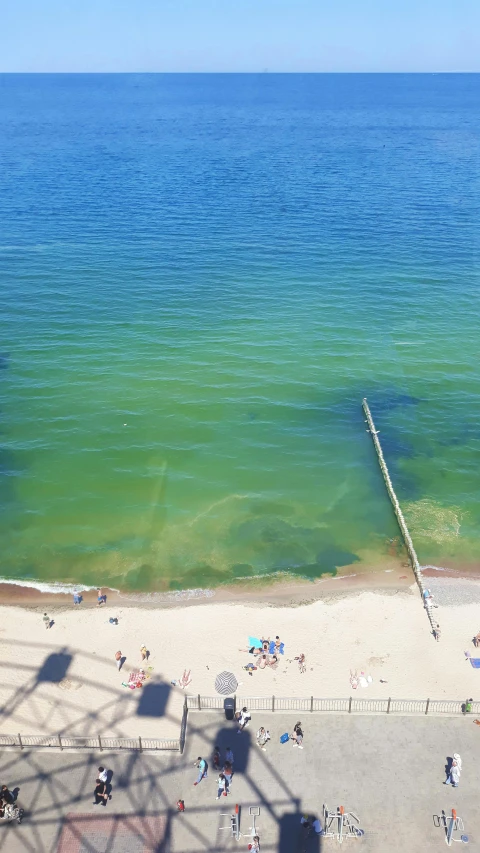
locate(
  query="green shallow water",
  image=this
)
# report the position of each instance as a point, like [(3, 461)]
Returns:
[(202, 278)]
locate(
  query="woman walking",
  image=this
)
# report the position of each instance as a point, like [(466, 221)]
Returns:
[(297, 736), (455, 771), (222, 786)]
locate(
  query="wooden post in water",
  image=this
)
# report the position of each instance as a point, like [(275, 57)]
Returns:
[(396, 508)]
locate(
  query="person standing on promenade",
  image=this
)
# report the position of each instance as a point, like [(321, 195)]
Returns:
[(46, 621), (100, 793), (437, 632), (263, 736), (202, 766), (222, 786), (455, 771), (297, 736)]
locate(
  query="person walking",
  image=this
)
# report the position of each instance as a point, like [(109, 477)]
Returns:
[(228, 773), (222, 786), (216, 758), (119, 659), (46, 621), (297, 736), (455, 771), (254, 845), (100, 793), (437, 632), (77, 598), (144, 652), (202, 766), (263, 736), (229, 755), (243, 718), (100, 598)]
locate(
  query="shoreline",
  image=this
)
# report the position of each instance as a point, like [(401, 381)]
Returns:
[(270, 590)]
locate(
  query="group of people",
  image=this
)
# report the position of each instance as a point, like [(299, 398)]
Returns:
[(7, 800), (266, 653), (102, 792)]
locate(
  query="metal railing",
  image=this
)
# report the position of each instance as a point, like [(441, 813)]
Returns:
[(140, 744), (351, 705)]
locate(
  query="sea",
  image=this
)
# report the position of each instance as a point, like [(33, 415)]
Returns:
[(201, 278)]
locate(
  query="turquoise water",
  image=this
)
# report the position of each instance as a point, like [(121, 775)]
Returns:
[(202, 277)]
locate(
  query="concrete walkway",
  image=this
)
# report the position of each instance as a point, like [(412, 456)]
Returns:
[(388, 770)]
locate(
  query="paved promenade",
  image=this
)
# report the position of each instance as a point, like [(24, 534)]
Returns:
[(388, 770)]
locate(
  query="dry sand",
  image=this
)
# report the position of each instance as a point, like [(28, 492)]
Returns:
[(386, 634)]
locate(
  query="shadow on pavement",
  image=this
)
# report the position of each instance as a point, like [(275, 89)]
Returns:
[(294, 838)]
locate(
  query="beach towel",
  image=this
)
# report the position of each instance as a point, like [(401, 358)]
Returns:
[(253, 641), (474, 661), (271, 648)]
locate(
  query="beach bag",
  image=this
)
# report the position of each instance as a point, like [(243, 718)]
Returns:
[(284, 738)]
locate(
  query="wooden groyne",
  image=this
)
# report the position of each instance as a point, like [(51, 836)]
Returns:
[(397, 510)]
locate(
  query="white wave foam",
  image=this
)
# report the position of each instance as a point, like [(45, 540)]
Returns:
[(57, 587)]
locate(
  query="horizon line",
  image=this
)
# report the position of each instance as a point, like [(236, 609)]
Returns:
[(263, 72)]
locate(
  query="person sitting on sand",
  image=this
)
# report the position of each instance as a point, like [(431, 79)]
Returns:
[(273, 662), (262, 661), (265, 645), (278, 643), (252, 650), (476, 640)]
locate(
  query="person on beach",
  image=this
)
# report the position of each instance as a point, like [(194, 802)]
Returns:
[(46, 621), (437, 632), (119, 660), (262, 661), (265, 645), (100, 598), (301, 663), (222, 786), (202, 767), (273, 662), (229, 755), (297, 736), (77, 598), (100, 793), (144, 653), (278, 643), (263, 736)]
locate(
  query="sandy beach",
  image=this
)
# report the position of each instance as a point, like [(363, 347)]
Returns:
[(64, 680)]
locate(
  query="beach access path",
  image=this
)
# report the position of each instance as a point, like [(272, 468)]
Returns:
[(64, 680), (389, 771)]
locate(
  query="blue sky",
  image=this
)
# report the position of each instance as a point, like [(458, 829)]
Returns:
[(240, 35)]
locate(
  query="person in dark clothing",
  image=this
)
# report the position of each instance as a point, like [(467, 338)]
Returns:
[(100, 793)]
